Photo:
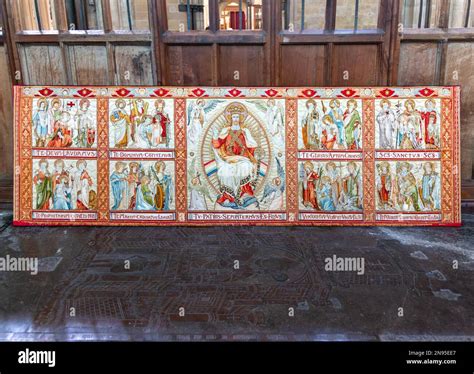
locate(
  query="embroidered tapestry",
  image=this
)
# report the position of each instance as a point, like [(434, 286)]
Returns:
[(210, 156)]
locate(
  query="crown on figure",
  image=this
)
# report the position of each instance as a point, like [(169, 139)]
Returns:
[(236, 108)]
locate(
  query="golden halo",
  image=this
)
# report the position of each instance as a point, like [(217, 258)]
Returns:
[(256, 128)]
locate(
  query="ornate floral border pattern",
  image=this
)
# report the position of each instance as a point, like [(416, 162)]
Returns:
[(58, 181)]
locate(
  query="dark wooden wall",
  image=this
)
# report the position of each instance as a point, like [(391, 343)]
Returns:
[(6, 128), (444, 56), (386, 55)]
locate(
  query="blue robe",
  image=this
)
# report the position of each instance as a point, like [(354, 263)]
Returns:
[(118, 187), (325, 199), (431, 189), (61, 199), (167, 187), (141, 203), (339, 124), (40, 123)]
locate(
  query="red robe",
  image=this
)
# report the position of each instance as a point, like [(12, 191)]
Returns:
[(425, 116), (84, 175), (163, 120), (384, 193), (328, 142), (90, 136), (227, 146), (309, 193), (56, 141)]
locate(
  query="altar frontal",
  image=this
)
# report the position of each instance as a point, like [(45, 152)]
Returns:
[(237, 156)]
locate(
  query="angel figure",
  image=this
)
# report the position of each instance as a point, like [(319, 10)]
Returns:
[(274, 120), (197, 118), (198, 192)]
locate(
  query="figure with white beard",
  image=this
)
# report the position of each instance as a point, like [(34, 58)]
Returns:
[(387, 125), (234, 149), (120, 125)]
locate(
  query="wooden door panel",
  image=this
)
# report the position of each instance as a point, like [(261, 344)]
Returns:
[(88, 64), (460, 56), (133, 65), (355, 65), (42, 64), (190, 65), (417, 63), (247, 60), (6, 126), (302, 65)]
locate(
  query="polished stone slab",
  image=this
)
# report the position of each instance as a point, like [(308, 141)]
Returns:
[(238, 283)]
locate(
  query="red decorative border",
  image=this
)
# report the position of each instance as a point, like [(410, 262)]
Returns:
[(292, 159), (450, 148), (103, 159), (368, 144), (180, 163)]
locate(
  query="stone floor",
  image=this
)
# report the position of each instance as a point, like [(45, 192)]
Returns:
[(192, 271)]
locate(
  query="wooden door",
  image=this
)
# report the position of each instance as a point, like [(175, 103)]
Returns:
[(318, 42), (214, 55), (336, 43)]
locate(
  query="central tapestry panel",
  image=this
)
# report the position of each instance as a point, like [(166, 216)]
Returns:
[(236, 156)]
